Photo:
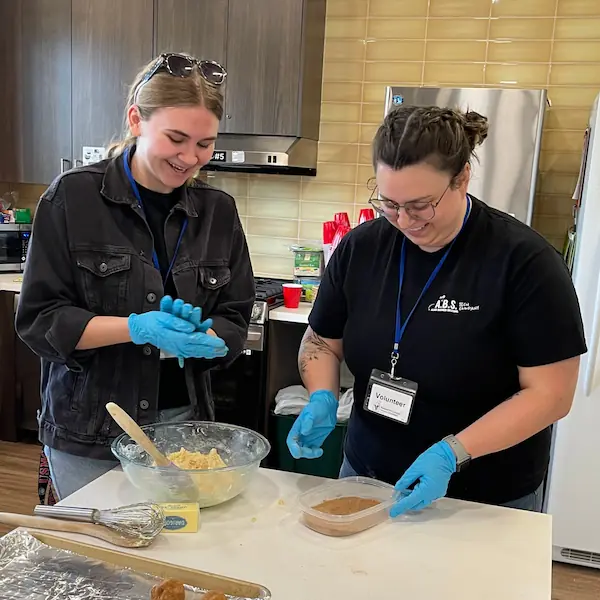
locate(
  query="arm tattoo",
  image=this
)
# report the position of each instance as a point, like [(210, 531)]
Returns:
[(312, 348)]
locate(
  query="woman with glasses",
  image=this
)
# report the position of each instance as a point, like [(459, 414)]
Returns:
[(138, 278), (460, 324)]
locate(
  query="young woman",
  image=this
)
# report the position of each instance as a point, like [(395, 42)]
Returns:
[(460, 324), (113, 244)]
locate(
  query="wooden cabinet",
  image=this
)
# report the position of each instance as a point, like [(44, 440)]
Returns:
[(112, 40), (73, 62), (66, 65), (9, 91), (264, 66), (196, 27), (45, 90)]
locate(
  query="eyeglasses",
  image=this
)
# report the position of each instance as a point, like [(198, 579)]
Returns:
[(180, 65), (418, 210)]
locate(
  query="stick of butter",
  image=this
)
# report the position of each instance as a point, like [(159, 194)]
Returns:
[(181, 518)]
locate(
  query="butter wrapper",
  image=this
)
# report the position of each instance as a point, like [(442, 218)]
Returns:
[(181, 518)]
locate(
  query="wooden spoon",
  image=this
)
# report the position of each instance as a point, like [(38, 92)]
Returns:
[(98, 531), (129, 426), (180, 486)]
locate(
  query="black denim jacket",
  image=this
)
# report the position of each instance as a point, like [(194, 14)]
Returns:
[(91, 254)]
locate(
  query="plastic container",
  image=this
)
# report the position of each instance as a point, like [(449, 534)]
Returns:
[(310, 288), (349, 487), (240, 448)]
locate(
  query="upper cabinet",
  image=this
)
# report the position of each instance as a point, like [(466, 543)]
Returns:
[(272, 50), (66, 66), (264, 49), (196, 27), (112, 41), (45, 91), (9, 86)]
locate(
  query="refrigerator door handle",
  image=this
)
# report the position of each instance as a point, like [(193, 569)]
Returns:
[(588, 380)]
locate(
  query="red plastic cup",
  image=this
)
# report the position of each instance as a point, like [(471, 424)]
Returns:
[(291, 295), (329, 228), (342, 218), (366, 214)]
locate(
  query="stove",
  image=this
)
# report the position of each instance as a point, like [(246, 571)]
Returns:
[(269, 294), (239, 391)]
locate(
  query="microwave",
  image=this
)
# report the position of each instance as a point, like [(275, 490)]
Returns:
[(14, 242)]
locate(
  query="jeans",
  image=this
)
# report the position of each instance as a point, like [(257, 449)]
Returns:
[(70, 473), (532, 502)]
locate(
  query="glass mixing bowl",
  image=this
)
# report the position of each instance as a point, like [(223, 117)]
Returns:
[(241, 449)]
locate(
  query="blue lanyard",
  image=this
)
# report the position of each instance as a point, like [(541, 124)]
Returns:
[(138, 197), (400, 326)]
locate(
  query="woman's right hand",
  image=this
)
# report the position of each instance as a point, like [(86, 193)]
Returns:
[(174, 335), (316, 421)]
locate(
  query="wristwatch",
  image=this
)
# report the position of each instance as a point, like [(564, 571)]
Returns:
[(463, 458)]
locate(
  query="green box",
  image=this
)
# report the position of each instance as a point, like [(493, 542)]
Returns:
[(308, 262), (327, 466)]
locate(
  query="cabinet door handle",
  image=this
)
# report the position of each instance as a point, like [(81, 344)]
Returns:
[(64, 161)]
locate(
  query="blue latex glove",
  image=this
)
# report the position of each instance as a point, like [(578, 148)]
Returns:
[(432, 470), (187, 312), (316, 421), (174, 335)]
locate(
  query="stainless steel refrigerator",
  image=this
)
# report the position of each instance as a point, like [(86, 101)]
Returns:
[(505, 176)]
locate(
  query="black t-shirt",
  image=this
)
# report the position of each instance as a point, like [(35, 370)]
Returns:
[(503, 298), (172, 391)]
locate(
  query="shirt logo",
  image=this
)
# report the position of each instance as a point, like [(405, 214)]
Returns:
[(446, 305)]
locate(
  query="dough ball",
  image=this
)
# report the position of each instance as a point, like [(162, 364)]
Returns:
[(170, 589), (214, 596)]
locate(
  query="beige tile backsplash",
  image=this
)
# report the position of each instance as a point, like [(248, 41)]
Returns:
[(372, 43)]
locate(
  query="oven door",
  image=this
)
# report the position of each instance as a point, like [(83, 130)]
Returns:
[(11, 248), (239, 390)]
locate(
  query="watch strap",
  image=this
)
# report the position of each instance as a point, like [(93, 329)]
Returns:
[(463, 458)]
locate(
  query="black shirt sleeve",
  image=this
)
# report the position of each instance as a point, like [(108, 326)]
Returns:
[(231, 316), (544, 321), (330, 311), (48, 318)]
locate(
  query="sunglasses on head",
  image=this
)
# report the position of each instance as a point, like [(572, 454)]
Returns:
[(180, 65)]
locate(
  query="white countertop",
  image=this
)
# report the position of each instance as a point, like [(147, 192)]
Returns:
[(453, 550), (11, 282), (292, 315)]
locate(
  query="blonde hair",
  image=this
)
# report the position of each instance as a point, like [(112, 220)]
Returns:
[(165, 90)]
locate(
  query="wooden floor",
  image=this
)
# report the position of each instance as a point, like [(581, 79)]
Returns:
[(18, 493)]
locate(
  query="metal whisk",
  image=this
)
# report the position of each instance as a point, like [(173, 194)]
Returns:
[(137, 522)]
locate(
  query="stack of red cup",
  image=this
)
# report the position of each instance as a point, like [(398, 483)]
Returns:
[(366, 214), (329, 228), (342, 218)]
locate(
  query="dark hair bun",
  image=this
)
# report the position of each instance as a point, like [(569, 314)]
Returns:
[(476, 128), (441, 136)]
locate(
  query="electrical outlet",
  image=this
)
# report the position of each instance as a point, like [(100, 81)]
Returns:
[(93, 154)]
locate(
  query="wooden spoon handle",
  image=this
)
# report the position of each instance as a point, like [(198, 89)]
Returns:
[(129, 426)]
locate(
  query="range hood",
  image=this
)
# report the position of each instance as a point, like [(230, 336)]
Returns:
[(282, 155), (274, 60)]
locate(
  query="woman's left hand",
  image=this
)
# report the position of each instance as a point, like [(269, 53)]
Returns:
[(185, 311), (432, 470)]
